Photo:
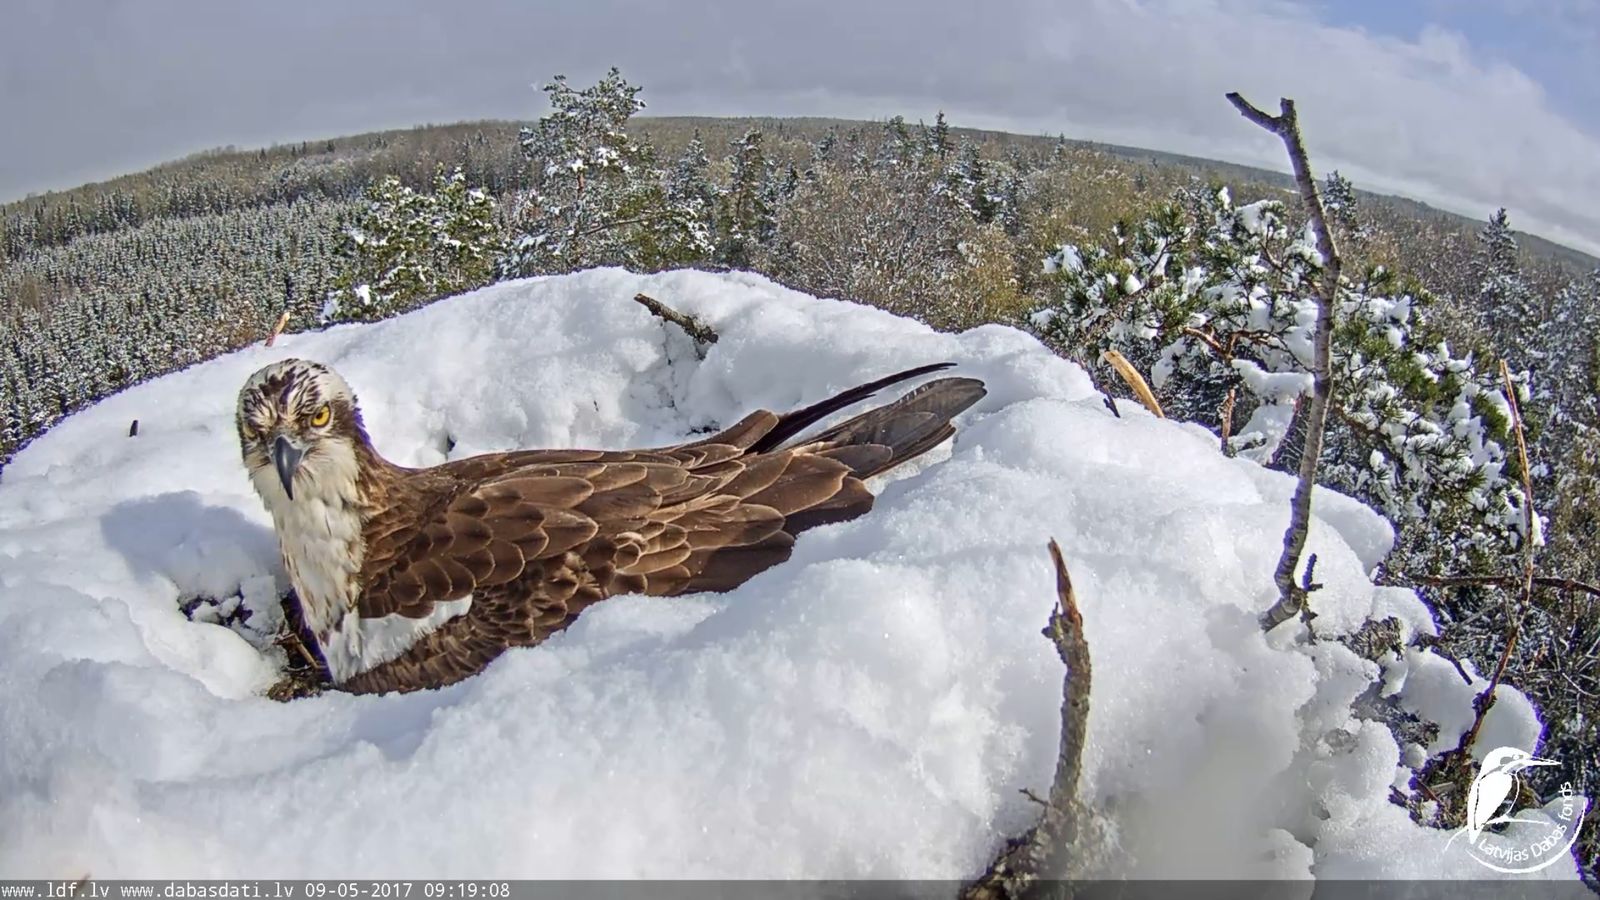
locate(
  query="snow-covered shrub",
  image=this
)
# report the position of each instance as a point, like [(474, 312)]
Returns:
[(408, 248), (598, 198), (1214, 299)]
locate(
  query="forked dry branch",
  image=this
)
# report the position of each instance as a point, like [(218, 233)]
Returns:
[(1291, 596)]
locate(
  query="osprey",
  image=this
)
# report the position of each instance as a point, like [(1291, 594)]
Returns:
[(412, 578)]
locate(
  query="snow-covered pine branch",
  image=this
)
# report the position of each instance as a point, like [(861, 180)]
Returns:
[(408, 248), (1209, 296), (598, 198)]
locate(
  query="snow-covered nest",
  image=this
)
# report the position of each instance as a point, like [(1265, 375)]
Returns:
[(870, 709)]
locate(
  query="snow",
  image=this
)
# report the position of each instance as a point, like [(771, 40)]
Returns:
[(1250, 215), (1278, 387), (1269, 423), (870, 709), (1431, 686)]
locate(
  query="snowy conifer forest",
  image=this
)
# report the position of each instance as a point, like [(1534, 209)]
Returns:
[(1458, 352)]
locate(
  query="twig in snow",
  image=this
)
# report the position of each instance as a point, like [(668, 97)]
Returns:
[(283, 322), (1065, 630), (1226, 415), (700, 332), (1105, 395), (292, 639), (1292, 597), (1019, 870), (1135, 381), (1482, 703)]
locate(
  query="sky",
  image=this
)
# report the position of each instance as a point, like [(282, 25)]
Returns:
[(1466, 104)]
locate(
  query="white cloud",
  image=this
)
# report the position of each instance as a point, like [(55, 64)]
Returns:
[(1426, 118), (1431, 117)]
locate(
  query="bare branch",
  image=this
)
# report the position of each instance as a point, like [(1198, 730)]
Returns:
[(1566, 584), (292, 639), (1485, 701), (1527, 485), (1307, 584), (1018, 870), (1066, 632), (1225, 412), (1208, 340), (617, 223), (701, 333), (1292, 597), (1545, 581), (1273, 124)]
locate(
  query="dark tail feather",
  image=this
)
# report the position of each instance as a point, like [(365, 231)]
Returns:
[(908, 427), (872, 442), (913, 449), (792, 423)]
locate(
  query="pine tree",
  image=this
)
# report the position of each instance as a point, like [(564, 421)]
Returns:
[(465, 235), (1510, 308), (745, 216), (694, 198), (822, 152), (967, 181), (1574, 348), (1007, 195), (937, 143), (387, 265), (898, 148), (1217, 298), (409, 248), (1344, 212), (597, 195)]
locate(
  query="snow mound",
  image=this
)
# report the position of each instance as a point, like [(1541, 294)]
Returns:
[(870, 709)]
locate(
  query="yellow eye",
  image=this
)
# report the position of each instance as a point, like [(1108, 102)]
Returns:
[(321, 416)]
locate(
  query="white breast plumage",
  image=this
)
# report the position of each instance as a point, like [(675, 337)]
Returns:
[(319, 533)]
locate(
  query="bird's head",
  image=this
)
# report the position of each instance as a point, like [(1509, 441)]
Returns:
[(299, 429)]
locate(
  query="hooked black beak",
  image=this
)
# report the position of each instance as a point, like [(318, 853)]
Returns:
[(286, 458)]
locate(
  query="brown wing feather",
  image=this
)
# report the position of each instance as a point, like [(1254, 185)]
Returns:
[(537, 536)]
